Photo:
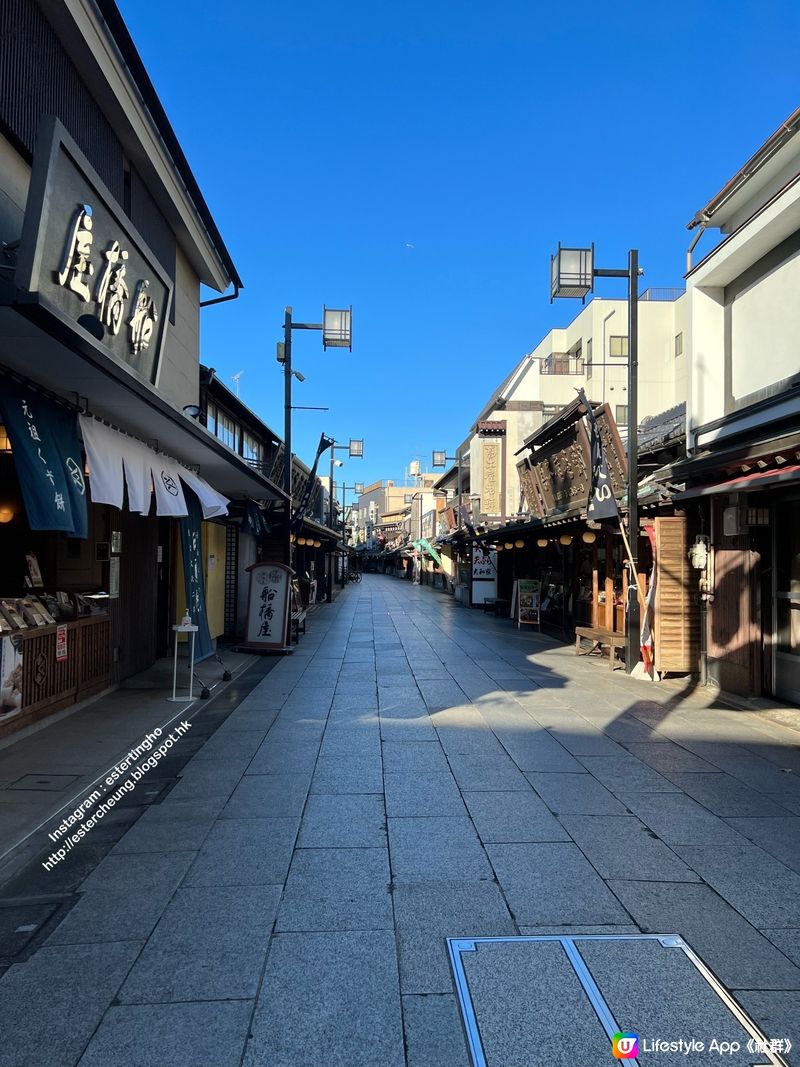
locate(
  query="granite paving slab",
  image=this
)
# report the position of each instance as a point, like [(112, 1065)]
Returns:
[(679, 820), (337, 889), (440, 849), (406, 756), (433, 1031), (245, 852), (575, 794), (329, 998), (414, 793), (513, 816), (343, 821), (351, 773), (726, 796), (57, 999), (267, 796), (427, 914), (762, 889), (621, 846), (181, 1035), (209, 945), (623, 775), (553, 883), (479, 772), (132, 872), (737, 953), (779, 836)]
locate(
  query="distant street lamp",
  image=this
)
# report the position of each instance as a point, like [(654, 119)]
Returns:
[(572, 274), (355, 450), (336, 327)]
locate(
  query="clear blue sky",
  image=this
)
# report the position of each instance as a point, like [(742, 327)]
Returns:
[(421, 160)]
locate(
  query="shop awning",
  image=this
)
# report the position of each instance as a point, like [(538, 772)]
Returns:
[(744, 483), (39, 343)]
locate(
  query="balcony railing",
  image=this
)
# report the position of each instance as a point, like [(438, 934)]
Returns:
[(561, 363), (664, 294)]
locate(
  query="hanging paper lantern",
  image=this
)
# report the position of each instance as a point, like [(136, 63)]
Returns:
[(589, 537), (565, 539), (542, 542), (519, 544)]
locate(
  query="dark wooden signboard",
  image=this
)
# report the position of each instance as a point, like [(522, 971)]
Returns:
[(557, 477)]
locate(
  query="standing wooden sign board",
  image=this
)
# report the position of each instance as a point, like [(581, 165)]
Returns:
[(268, 603)]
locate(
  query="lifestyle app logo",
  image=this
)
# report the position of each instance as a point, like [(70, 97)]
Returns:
[(625, 1046)]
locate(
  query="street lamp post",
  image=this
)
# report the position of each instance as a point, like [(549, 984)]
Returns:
[(572, 274), (355, 450), (337, 332)]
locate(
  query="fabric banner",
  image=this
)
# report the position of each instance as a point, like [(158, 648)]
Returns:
[(297, 518), (425, 543), (47, 458), (117, 460), (646, 639), (195, 589), (64, 427), (254, 522), (213, 503), (167, 482), (104, 451), (602, 504), (138, 476)]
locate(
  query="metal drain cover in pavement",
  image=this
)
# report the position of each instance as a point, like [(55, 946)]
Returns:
[(48, 783), (536, 1001)]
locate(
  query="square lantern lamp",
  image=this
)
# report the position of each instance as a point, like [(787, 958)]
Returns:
[(571, 272), (337, 328), (356, 448), (358, 488), (439, 459)]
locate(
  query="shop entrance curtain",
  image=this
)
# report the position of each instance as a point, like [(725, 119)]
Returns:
[(48, 458)]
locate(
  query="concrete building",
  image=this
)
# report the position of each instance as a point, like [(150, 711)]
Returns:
[(590, 353)]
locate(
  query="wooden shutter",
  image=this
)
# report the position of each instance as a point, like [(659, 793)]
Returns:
[(677, 607)]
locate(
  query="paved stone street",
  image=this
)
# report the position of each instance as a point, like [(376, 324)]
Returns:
[(416, 771)]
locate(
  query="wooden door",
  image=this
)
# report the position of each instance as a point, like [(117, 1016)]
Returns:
[(677, 601)]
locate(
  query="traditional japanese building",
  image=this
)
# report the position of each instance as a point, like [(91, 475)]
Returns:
[(113, 494), (743, 423)]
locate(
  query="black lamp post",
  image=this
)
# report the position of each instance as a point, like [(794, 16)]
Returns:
[(337, 332), (572, 274), (355, 450)]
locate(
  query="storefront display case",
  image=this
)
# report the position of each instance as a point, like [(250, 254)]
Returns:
[(56, 650)]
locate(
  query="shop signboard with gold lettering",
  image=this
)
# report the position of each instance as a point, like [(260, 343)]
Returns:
[(490, 481), (81, 255)]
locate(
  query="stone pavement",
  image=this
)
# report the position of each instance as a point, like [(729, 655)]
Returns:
[(416, 771)]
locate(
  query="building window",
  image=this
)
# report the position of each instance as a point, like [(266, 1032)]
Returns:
[(618, 346), (621, 414), (679, 344), (222, 426), (252, 450), (589, 358)]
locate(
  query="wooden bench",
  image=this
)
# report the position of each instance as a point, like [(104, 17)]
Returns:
[(599, 638), (494, 604), (298, 623)]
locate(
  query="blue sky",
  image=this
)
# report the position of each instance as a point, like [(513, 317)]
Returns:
[(421, 160)]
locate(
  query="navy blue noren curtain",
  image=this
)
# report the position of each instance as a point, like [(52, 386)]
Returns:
[(47, 457)]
